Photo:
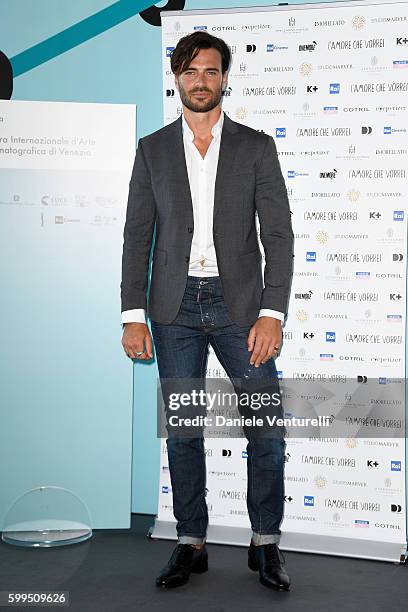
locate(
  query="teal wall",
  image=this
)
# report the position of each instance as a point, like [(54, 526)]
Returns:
[(112, 55)]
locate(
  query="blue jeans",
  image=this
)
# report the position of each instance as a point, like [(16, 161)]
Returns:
[(181, 351)]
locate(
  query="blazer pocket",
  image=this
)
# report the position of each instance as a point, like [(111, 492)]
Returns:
[(253, 252), (243, 173), (160, 257)]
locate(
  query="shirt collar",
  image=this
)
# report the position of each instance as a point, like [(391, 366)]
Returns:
[(215, 130)]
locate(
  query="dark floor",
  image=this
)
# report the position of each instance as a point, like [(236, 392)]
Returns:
[(115, 571)]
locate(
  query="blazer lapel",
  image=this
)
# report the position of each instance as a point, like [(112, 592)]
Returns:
[(228, 149), (178, 161)]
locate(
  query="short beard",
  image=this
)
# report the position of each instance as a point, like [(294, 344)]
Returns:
[(197, 107)]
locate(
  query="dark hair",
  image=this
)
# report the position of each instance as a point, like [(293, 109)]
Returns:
[(189, 46)]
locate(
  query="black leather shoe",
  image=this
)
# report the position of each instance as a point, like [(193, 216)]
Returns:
[(184, 560), (266, 559)]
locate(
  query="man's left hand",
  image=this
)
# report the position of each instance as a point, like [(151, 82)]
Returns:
[(264, 339)]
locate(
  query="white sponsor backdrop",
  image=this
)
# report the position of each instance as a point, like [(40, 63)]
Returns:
[(327, 82)]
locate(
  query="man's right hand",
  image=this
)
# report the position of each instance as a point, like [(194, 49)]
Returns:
[(136, 338)]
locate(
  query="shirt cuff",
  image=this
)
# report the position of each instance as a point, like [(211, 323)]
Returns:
[(267, 312), (137, 315)]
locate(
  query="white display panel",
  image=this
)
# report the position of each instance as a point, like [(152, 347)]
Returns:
[(66, 384)]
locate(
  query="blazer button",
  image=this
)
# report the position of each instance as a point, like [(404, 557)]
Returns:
[(190, 230), (187, 259)]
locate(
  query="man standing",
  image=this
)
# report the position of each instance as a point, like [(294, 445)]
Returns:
[(200, 182)]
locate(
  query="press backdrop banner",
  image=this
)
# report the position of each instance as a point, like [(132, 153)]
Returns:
[(329, 83)]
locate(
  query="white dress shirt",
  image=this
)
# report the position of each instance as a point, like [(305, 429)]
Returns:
[(201, 175)]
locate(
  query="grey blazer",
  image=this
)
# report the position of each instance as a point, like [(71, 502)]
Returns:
[(249, 179)]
